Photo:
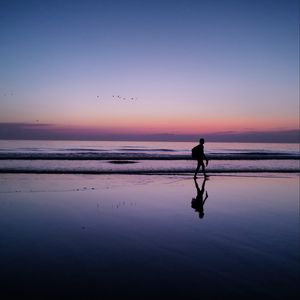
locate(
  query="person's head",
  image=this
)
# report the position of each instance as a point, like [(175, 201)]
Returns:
[(201, 141), (201, 214)]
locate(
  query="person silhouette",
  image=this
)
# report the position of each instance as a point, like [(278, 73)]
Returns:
[(198, 202), (198, 154)]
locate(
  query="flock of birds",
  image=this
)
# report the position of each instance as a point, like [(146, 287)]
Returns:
[(118, 97), (115, 97), (8, 94)]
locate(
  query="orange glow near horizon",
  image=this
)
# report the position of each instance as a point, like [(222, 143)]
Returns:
[(178, 125)]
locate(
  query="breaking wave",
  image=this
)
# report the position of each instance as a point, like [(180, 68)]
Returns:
[(143, 158)]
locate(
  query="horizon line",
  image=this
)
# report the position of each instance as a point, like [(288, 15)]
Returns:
[(43, 131)]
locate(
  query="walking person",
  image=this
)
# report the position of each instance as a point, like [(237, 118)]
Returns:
[(199, 155)]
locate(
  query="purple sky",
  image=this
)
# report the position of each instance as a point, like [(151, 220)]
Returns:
[(113, 69)]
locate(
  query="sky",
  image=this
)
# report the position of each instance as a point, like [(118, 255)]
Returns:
[(148, 68)]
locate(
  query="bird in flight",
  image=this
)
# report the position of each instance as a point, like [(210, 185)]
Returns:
[(118, 97)]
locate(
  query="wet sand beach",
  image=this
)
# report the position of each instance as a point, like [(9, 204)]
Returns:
[(149, 236)]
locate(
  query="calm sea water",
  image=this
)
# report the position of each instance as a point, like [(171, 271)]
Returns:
[(143, 157)]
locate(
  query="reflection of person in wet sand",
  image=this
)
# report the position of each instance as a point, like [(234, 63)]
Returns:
[(198, 202)]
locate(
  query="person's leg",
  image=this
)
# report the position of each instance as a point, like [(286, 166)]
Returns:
[(197, 169), (203, 168)]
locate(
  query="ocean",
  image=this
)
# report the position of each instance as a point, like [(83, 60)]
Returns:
[(69, 233), (123, 157)]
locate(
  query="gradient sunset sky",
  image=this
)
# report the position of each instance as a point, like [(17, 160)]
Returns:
[(191, 67)]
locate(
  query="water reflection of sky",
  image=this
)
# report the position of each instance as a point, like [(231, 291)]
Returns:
[(138, 235)]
